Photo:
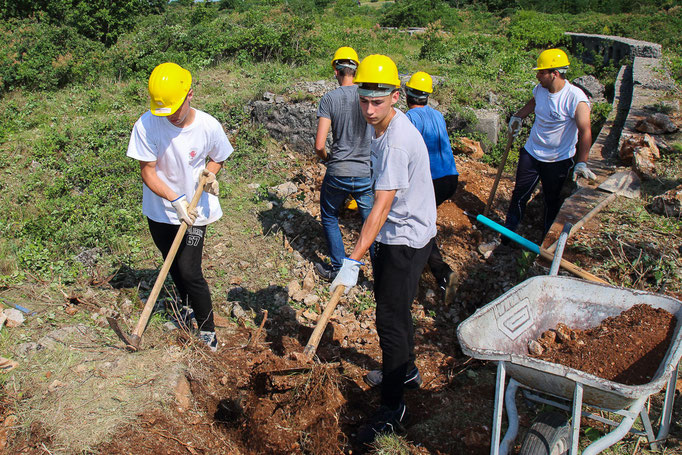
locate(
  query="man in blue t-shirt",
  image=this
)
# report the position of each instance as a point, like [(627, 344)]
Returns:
[(347, 162), (431, 125)]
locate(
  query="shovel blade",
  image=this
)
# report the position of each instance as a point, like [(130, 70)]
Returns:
[(624, 183), (113, 323)]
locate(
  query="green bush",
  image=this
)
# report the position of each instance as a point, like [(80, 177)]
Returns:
[(36, 55), (534, 30)]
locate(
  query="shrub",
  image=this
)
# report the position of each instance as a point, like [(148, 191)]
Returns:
[(36, 55), (535, 30)]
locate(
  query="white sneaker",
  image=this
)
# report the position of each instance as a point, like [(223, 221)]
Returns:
[(209, 339)]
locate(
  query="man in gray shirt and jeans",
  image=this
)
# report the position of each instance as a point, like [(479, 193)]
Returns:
[(348, 171)]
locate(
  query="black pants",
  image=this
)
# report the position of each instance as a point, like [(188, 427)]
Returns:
[(529, 172), (397, 269), (186, 268), (444, 188)]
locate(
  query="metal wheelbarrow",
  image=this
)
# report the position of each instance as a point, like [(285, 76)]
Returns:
[(501, 331)]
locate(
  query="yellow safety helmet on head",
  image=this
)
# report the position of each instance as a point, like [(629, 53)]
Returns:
[(381, 72), (421, 81), (552, 59), (345, 53), (169, 84)]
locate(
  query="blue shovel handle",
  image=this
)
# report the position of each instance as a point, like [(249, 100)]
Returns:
[(509, 233)]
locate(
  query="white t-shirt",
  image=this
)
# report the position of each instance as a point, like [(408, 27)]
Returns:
[(555, 133), (180, 155), (400, 161)]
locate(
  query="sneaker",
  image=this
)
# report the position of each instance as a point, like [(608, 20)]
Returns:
[(385, 421), (209, 339), (325, 271), (413, 380)]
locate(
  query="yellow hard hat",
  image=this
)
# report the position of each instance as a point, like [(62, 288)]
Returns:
[(352, 204), (377, 69), (552, 58), (346, 53), (169, 84), (421, 81)]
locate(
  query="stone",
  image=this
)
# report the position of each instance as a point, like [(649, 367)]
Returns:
[(656, 124), (14, 317), (311, 299), (238, 312), (488, 123), (668, 204), (643, 163), (183, 393), (592, 88), (54, 385), (293, 287), (535, 348), (309, 281), (285, 189), (469, 147)]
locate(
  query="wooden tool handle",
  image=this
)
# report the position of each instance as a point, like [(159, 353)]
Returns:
[(500, 169), (314, 340), (571, 267), (158, 284)]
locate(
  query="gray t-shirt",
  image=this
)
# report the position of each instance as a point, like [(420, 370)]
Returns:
[(400, 161), (349, 156)]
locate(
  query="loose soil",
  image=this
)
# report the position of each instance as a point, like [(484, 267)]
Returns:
[(627, 348)]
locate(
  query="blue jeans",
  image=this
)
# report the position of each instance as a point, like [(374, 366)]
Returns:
[(333, 194)]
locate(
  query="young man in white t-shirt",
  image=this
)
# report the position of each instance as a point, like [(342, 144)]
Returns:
[(403, 223), (175, 144), (562, 119)]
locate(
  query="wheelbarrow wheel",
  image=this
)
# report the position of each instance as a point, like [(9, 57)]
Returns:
[(547, 436)]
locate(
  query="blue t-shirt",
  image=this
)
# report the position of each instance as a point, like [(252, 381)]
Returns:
[(431, 125)]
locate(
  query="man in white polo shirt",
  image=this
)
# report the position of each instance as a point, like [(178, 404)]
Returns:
[(562, 119), (175, 144), (403, 223)]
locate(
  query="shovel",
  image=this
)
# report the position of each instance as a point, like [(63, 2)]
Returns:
[(624, 183), (500, 169), (311, 347), (133, 341)]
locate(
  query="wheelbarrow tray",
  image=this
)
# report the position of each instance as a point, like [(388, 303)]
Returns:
[(502, 329)]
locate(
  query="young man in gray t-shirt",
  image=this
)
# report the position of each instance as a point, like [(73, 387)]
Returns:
[(348, 160), (403, 222)]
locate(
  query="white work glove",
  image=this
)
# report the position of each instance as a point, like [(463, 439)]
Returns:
[(211, 186), (515, 125), (181, 207), (348, 274), (581, 170)]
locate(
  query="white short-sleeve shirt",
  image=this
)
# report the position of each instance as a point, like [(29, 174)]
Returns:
[(180, 155), (554, 133)]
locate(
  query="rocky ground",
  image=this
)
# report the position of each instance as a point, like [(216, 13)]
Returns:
[(76, 390)]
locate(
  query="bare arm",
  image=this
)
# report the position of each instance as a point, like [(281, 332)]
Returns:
[(582, 120), (323, 125), (526, 110), (214, 166), (154, 182), (383, 200)]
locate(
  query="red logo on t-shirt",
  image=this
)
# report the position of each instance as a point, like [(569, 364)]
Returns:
[(192, 154)]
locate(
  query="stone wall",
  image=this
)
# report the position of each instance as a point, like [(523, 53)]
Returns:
[(611, 49)]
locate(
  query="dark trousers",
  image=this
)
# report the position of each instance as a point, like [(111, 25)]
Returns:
[(444, 188), (397, 269), (529, 172), (186, 268)]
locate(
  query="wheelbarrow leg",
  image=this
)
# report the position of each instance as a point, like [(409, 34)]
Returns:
[(574, 435), (621, 430), (646, 423), (497, 414), (512, 417), (667, 411)]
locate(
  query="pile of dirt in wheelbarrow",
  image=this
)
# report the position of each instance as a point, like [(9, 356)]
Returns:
[(627, 349)]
